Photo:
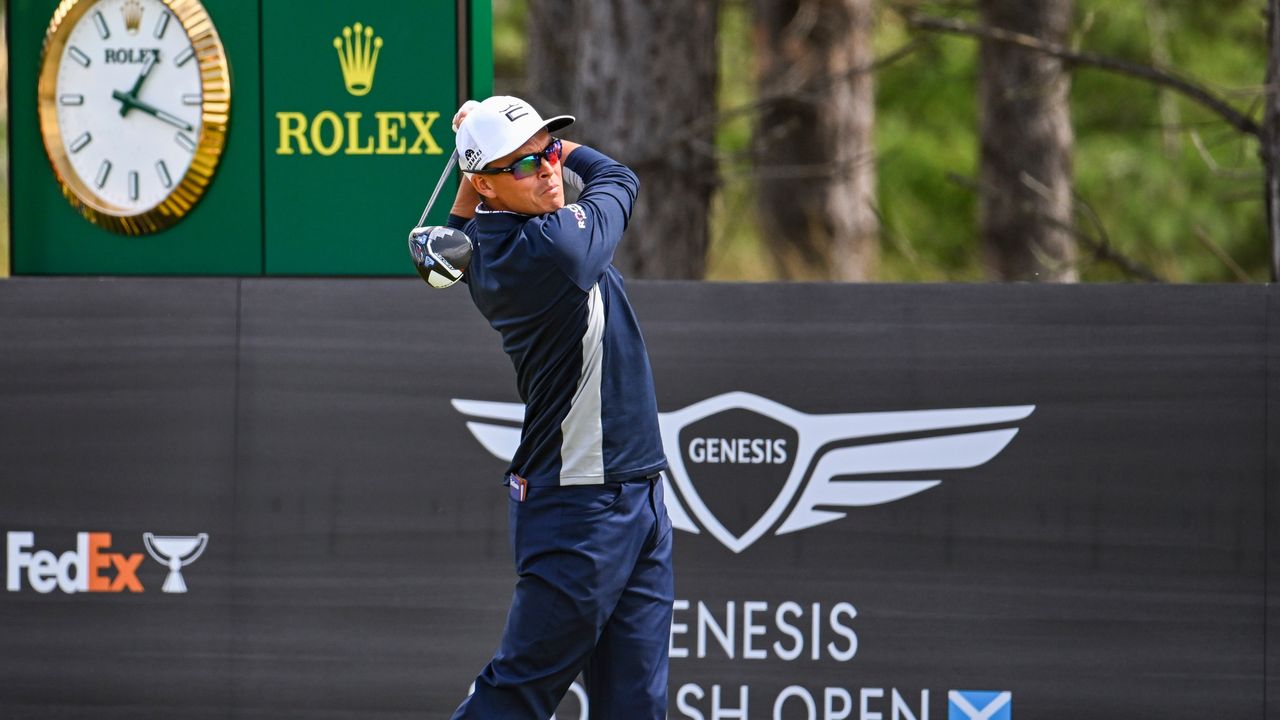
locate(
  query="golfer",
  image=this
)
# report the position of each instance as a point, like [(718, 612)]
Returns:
[(588, 526)]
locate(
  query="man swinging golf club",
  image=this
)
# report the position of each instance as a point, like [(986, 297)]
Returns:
[(588, 525)]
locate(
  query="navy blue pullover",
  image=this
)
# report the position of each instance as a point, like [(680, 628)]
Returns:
[(548, 285)]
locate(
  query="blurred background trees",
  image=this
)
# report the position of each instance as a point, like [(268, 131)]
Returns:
[(1271, 135), (811, 152), (1025, 143), (921, 140), (845, 139), (642, 78)]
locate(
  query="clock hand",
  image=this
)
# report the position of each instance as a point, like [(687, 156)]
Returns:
[(129, 101), (148, 65)]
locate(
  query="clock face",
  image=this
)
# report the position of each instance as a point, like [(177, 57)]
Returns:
[(132, 116)]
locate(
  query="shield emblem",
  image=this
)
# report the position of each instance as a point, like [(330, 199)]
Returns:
[(708, 488), (738, 461)]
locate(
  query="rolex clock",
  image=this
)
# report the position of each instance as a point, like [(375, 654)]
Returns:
[(134, 99)]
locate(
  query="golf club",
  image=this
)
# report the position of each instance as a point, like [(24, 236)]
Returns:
[(448, 168), (440, 253)]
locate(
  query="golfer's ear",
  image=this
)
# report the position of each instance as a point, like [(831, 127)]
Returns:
[(483, 185)]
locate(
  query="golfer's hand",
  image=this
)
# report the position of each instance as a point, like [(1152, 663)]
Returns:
[(462, 113)]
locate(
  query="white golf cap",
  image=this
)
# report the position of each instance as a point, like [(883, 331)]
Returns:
[(497, 126)]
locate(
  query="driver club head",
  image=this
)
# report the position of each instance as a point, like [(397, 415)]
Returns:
[(440, 254)]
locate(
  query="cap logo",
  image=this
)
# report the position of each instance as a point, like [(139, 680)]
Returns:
[(514, 111), (472, 157)]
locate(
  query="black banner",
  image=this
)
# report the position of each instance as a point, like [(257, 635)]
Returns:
[(280, 499)]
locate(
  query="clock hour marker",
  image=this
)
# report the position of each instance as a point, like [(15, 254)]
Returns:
[(101, 22), (69, 99), (184, 56), (161, 25), (185, 141), (173, 120), (133, 184), (103, 171), (78, 144), (193, 99), (163, 171), (78, 55)]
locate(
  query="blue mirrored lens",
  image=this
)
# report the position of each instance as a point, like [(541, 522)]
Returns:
[(526, 166)]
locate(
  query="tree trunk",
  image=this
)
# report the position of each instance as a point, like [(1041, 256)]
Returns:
[(814, 144), (1025, 189), (551, 49), (644, 91), (1271, 136)]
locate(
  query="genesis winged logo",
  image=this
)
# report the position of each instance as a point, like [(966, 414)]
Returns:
[(745, 464)]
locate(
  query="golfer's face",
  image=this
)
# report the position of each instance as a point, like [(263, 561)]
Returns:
[(541, 191)]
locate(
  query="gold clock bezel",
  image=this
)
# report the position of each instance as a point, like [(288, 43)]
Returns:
[(215, 109)]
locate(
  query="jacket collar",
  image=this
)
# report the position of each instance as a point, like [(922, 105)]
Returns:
[(498, 220)]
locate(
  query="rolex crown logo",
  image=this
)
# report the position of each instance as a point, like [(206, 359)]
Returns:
[(132, 15), (358, 56)]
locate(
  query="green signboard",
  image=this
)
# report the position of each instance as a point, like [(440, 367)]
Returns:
[(222, 233), (356, 113), (338, 129)]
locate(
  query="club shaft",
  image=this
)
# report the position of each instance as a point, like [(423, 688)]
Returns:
[(448, 168)]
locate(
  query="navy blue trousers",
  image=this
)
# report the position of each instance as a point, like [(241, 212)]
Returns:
[(594, 595)]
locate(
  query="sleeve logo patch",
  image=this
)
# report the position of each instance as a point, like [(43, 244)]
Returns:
[(579, 214)]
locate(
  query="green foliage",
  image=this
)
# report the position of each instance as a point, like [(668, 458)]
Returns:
[(1158, 199), (735, 251), (1159, 177), (508, 44), (1165, 175), (926, 142)]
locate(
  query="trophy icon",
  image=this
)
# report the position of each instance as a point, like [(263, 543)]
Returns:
[(175, 552)]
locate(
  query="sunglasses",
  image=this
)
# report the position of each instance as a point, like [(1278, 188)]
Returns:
[(529, 165)]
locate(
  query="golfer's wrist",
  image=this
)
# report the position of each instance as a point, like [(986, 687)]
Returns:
[(464, 203)]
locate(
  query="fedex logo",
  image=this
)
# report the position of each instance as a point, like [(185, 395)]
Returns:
[(88, 568)]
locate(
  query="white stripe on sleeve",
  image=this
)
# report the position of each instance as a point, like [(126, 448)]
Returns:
[(582, 435)]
